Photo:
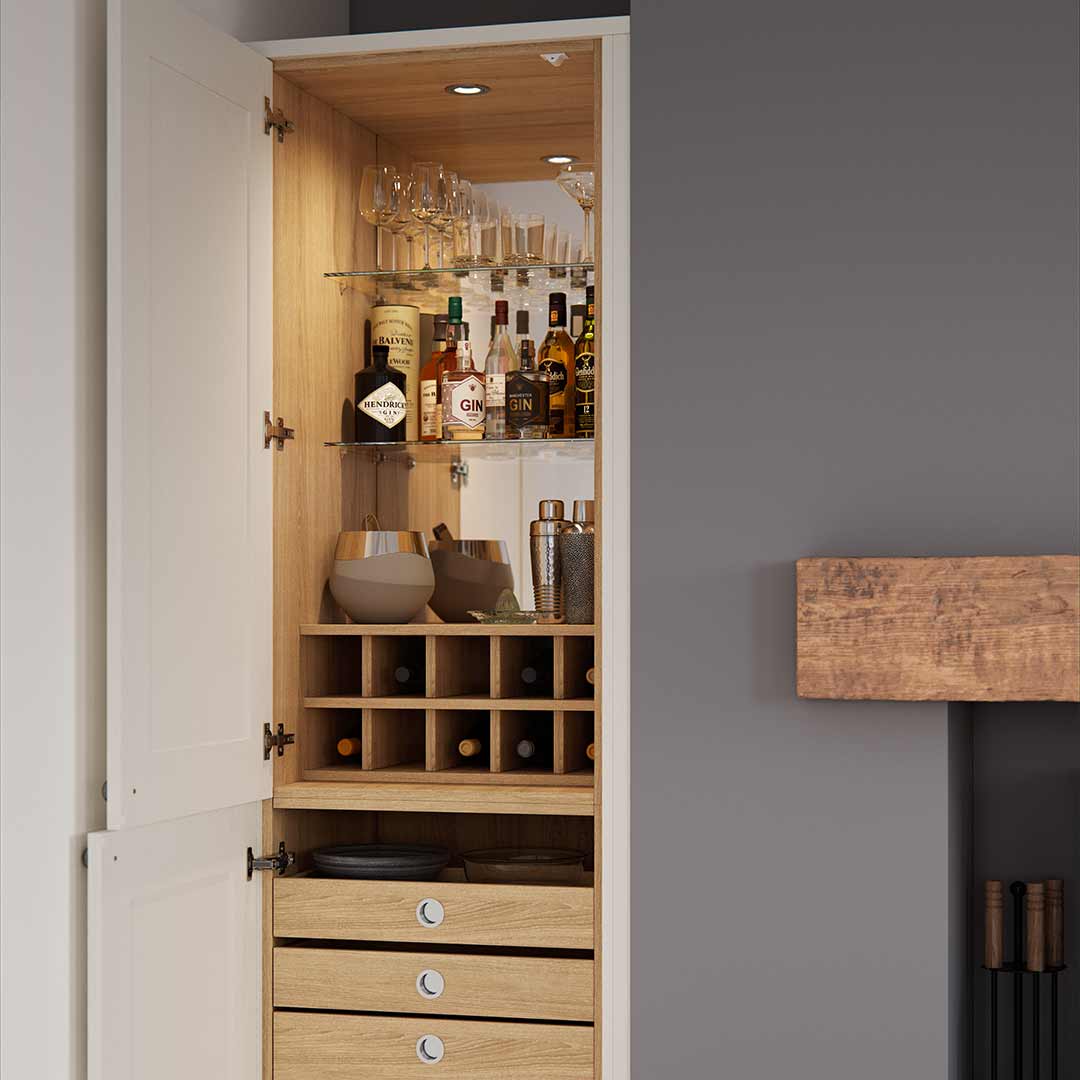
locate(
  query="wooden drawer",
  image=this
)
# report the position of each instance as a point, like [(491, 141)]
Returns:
[(358, 980), (325, 1046), (528, 916)]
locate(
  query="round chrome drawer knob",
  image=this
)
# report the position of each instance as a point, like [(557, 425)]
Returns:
[(430, 984), (430, 913), (430, 1049)]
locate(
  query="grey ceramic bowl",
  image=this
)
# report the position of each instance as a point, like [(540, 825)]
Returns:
[(468, 574), (382, 576), (382, 862)]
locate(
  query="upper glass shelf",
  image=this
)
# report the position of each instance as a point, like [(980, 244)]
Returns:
[(476, 450), (519, 283)]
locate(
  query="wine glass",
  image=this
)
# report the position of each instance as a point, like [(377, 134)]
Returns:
[(444, 220), (464, 222), (376, 197), (426, 197), (579, 182)]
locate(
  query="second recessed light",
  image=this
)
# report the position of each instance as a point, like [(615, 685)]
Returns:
[(468, 89), (559, 159)]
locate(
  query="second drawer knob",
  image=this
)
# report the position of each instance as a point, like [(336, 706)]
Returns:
[(430, 984), (430, 1049), (430, 913)]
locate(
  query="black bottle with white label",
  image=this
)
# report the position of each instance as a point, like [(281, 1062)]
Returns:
[(381, 405)]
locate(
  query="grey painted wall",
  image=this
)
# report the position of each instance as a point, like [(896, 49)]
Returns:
[(854, 332)]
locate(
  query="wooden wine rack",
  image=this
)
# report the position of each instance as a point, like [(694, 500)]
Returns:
[(465, 681)]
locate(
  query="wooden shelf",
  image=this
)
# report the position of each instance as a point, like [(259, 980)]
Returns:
[(342, 701), (436, 798), (447, 630), (415, 773), (963, 629)]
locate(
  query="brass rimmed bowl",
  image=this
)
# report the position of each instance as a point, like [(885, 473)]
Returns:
[(381, 575), (468, 574)]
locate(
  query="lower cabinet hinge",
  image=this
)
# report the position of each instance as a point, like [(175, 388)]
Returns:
[(279, 863), (278, 431), (280, 738), (276, 120)]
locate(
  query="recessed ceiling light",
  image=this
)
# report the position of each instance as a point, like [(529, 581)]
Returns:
[(559, 159), (468, 89)]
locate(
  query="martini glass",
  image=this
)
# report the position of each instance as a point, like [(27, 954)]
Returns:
[(579, 182)]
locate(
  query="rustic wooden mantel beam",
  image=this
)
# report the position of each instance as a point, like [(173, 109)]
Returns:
[(964, 629)]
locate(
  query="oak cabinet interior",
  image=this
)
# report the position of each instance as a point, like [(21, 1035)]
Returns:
[(334, 947)]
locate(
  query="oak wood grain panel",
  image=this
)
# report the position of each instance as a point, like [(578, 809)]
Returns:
[(436, 798), (342, 701), (318, 342), (393, 737), (458, 771), (524, 916), (327, 1046), (961, 629), (356, 980), (534, 109)]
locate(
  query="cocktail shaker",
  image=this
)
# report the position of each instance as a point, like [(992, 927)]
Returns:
[(546, 560), (577, 550)]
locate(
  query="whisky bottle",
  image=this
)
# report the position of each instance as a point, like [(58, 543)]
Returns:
[(463, 398), (430, 428), (380, 400), (527, 391), (501, 360), (585, 373), (556, 358)]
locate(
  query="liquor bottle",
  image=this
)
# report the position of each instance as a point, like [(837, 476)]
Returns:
[(430, 429), (348, 747), (463, 397), (398, 325), (556, 357), (380, 400), (585, 373), (501, 359), (577, 320), (527, 391)]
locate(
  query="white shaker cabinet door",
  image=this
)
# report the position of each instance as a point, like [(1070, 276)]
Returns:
[(189, 371), (174, 950)]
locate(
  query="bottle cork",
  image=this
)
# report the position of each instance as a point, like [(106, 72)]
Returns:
[(470, 747), (1055, 923), (590, 751), (994, 945), (1035, 907), (590, 676)]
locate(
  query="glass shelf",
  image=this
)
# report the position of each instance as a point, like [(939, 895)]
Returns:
[(475, 450), (525, 285)]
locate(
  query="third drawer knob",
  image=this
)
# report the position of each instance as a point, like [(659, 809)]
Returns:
[(430, 1049), (430, 913), (430, 984)]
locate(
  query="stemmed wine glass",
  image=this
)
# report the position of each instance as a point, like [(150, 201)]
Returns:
[(464, 223), (427, 193), (579, 182), (376, 201), (444, 221)]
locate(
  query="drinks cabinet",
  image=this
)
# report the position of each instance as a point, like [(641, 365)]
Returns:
[(249, 721)]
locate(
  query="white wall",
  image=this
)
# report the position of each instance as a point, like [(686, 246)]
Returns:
[(52, 490)]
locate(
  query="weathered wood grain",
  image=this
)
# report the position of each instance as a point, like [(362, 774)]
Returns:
[(962, 629)]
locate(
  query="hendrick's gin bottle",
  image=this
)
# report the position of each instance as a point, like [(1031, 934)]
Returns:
[(380, 400)]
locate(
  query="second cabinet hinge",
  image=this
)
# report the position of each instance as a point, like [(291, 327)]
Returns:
[(276, 120), (279, 863), (276, 432), (280, 738)]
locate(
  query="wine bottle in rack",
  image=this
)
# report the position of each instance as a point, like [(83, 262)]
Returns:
[(590, 751), (474, 746), (535, 749), (410, 680), (349, 748)]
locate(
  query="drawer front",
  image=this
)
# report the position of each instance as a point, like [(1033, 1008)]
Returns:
[(451, 912), (322, 1046), (530, 988)]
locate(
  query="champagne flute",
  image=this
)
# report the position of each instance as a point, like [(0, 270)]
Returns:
[(579, 182), (444, 220), (465, 215), (376, 195), (427, 185)]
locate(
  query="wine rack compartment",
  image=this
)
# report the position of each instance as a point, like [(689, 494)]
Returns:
[(421, 703)]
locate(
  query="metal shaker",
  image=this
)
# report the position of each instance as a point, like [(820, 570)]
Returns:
[(547, 561), (577, 550)]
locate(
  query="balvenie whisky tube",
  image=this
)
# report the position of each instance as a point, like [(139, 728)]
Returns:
[(994, 945), (1035, 906)]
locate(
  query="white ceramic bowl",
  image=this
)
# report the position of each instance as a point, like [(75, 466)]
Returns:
[(381, 576)]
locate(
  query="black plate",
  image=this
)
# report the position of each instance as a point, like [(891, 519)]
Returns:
[(382, 862)]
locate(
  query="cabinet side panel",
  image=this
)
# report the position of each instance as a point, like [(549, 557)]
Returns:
[(318, 345)]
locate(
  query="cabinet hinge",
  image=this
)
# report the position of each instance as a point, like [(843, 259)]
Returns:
[(280, 738), (279, 863), (276, 120), (278, 432)]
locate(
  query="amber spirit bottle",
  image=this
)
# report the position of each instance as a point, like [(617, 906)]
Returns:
[(429, 384), (432, 429), (381, 406), (556, 359), (527, 391), (463, 398), (585, 373)]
